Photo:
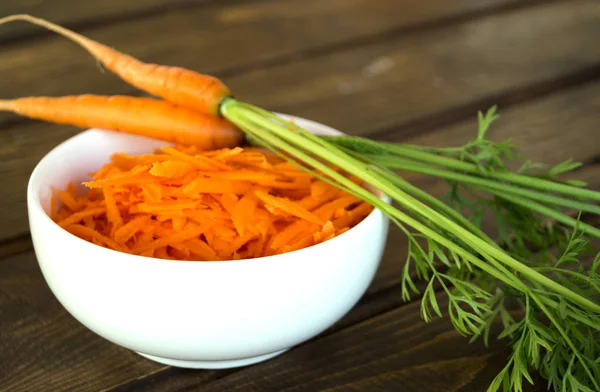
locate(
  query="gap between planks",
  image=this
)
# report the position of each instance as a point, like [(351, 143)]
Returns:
[(14, 246), (92, 21), (504, 100)]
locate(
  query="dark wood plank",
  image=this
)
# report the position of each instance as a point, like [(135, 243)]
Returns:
[(474, 58), (38, 334), (551, 130), (81, 13), (13, 246), (172, 379), (406, 80), (43, 348)]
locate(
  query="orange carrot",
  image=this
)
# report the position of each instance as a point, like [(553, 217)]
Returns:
[(327, 211), (212, 185), (228, 201), (67, 198), (243, 212), (171, 169), (153, 192), (198, 161), (141, 116), (353, 216), (200, 249), (78, 216), (288, 206), (173, 207), (181, 236), (125, 232), (184, 87), (112, 210), (82, 231), (288, 234)]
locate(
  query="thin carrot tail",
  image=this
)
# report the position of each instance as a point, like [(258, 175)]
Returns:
[(7, 105), (141, 116), (178, 85)]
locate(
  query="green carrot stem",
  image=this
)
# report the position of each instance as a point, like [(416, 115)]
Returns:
[(552, 304), (395, 163), (567, 339), (529, 181), (544, 210), (436, 203), (428, 198)]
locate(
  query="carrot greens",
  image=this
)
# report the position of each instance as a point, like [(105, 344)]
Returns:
[(525, 277)]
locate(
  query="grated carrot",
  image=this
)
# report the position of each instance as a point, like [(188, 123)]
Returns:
[(186, 204), (78, 216), (112, 210), (228, 201), (91, 234), (153, 192), (243, 212), (171, 169), (68, 198), (200, 249), (213, 185), (289, 206), (125, 232)]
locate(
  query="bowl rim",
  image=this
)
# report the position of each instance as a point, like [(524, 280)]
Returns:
[(34, 203)]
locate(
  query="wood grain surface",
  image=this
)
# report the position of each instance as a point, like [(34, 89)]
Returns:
[(38, 336), (82, 13), (398, 70)]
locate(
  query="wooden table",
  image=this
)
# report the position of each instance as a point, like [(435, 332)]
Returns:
[(403, 70)]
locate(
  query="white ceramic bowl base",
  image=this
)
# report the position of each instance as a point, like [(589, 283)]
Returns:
[(194, 314)]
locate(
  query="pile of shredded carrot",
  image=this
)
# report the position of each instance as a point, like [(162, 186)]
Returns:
[(186, 204)]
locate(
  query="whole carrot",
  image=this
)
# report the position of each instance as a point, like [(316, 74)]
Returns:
[(142, 116), (184, 87)]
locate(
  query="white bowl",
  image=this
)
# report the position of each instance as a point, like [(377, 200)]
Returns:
[(195, 314)]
